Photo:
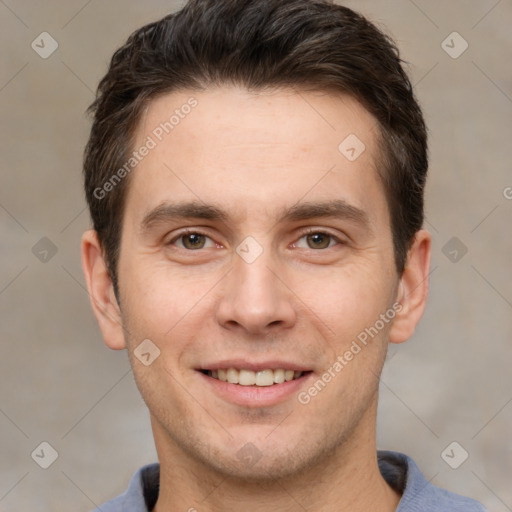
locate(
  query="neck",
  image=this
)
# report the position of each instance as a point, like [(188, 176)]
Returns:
[(347, 480)]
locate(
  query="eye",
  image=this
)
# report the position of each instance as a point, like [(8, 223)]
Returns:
[(316, 240), (192, 241)]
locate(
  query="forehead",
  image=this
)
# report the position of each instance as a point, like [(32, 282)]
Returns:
[(231, 115), (251, 151)]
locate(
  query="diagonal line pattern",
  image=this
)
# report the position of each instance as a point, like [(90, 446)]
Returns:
[(316, 110), (423, 280), (75, 15), (96, 403), (13, 279), (83, 7), (292, 497), (308, 191), (501, 409), (481, 222), (14, 423), (425, 75), (98, 305), (305, 305), (409, 409), (198, 403), (424, 13), (492, 286), (486, 14), (77, 77), (213, 490), (506, 506), (311, 311), (14, 14), (199, 300), (14, 76), (73, 219), (81, 490), (14, 218), (315, 184), (171, 171), (279, 424), (492, 81), (12, 488), (431, 225), (190, 189)]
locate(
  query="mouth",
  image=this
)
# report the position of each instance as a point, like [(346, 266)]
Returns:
[(259, 378), (254, 384)]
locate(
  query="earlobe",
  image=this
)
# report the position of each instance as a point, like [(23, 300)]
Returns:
[(413, 288), (101, 292)]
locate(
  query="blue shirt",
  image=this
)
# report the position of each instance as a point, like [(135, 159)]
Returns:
[(400, 471)]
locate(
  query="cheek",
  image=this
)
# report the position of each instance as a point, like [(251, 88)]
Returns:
[(169, 308), (349, 299), (158, 296)]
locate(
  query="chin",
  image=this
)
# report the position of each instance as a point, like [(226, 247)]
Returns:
[(263, 461), (263, 469)]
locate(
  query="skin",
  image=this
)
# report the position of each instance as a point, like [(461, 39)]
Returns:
[(304, 299)]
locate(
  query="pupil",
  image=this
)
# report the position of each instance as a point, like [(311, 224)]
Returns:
[(319, 240), (193, 240)]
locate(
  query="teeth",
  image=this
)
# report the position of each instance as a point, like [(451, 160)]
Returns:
[(246, 377), (265, 378), (232, 376), (278, 376), (250, 378)]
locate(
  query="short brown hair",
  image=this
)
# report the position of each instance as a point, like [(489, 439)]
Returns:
[(258, 44)]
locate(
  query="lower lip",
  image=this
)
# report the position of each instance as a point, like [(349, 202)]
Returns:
[(256, 396)]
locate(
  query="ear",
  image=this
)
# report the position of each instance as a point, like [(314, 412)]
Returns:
[(101, 292), (413, 288)]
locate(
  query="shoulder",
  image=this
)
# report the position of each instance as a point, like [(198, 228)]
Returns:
[(418, 493), (141, 493)]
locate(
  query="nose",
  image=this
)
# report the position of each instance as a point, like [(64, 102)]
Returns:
[(254, 299)]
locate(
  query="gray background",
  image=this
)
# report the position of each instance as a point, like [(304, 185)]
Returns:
[(60, 384)]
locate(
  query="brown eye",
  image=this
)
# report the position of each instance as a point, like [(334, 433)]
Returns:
[(318, 240), (193, 241)]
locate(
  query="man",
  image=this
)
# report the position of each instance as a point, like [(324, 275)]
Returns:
[(255, 176)]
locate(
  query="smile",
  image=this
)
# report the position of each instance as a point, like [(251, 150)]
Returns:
[(260, 378)]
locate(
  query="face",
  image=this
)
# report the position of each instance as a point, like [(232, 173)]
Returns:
[(257, 249)]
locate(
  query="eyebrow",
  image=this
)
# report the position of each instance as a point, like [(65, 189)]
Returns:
[(193, 209), (337, 208)]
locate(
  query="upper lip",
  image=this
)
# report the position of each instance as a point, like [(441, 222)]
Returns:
[(255, 366)]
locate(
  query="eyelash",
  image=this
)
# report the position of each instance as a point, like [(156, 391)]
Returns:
[(185, 233), (313, 231), (309, 231)]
